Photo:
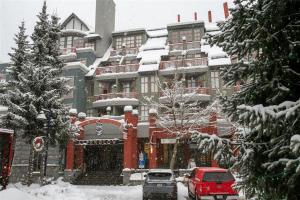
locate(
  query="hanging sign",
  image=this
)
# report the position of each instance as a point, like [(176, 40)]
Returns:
[(38, 144), (99, 129)]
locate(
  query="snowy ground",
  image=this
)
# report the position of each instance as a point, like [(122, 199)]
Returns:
[(64, 191)]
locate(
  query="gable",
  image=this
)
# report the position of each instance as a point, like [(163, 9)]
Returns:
[(73, 22)]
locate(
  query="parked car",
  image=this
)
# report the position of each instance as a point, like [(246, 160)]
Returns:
[(160, 184), (211, 183)]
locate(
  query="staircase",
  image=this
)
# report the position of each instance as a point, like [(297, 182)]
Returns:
[(99, 178)]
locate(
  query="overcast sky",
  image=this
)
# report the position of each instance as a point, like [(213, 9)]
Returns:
[(129, 14)]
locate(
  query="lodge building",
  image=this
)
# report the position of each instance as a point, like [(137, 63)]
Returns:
[(111, 72)]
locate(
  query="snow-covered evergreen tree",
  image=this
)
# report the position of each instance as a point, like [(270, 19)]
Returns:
[(38, 85), (264, 36)]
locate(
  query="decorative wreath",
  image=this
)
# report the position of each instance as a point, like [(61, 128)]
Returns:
[(38, 144)]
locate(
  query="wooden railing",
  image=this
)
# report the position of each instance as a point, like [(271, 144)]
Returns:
[(113, 95), (188, 90), (124, 51), (117, 69), (185, 45), (183, 63)]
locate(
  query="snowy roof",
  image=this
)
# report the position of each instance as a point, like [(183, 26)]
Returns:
[(185, 23), (71, 65), (157, 32), (219, 61), (148, 68), (97, 62), (211, 27), (128, 30), (93, 36), (154, 43)]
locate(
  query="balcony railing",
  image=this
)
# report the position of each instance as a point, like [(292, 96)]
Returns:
[(117, 69), (183, 63), (189, 90), (124, 51), (185, 45), (65, 51), (113, 95)]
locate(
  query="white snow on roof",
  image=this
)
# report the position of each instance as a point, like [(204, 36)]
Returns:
[(219, 61), (185, 23), (128, 30), (71, 65), (97, 62), (116, 99), (3, 108), (74, 31), (157, 33), (92, 35), (216, 56), (149, 67), (211, 27), (154, 43)]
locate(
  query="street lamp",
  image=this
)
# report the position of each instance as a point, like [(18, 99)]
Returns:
[(43, 118)]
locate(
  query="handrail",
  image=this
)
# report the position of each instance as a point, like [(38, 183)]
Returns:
[(124, 51), (183, 63), (117, 69), (113, 95), (197, 90), (185, 45)]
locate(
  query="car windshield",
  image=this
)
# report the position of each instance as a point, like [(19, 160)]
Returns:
[(159, 176), (217, 177)]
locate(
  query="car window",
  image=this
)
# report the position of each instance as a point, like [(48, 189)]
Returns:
[(217, 177), (159, 176)]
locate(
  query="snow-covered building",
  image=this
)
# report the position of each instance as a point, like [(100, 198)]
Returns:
[(111, 72)]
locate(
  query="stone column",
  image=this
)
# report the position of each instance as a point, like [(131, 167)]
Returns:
[(152, 139)]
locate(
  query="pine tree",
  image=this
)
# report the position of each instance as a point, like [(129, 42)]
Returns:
[(264, 36), (38, 87)]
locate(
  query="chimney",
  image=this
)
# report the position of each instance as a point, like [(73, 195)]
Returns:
[(178, 18), (195, 16), (209, 16), (226, 12)]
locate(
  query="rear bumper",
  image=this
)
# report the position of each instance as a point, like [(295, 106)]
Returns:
[(216, 197), (164, 192)]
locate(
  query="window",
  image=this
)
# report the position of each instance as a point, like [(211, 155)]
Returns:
[(92, 45), (217, 177), (144, 84), (175, 37), (154, 83), (138, 41), (126, 88), (214, 79), (119, 43), (187, 34), (144, 113), (191, 83), (197, 35), (69, 42)]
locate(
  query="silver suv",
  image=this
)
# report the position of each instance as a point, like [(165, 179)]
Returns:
[(160, 184)]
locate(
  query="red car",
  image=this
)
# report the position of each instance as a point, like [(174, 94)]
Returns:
[(211, 183)]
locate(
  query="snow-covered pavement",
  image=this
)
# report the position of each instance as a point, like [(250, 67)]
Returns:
[(60, 190)]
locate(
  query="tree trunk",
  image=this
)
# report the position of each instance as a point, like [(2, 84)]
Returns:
[(30, 166), (174, 155)]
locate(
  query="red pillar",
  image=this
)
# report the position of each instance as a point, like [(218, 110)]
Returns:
[(152, 140), (178, 18), (135, 119), (70, 155), (130, 143), (195, 16)]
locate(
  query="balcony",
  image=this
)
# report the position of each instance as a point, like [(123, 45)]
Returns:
[(66, 51), (185, 65), (114, 99), (117, 69), (124, 51), (185, 45), (191, 93)]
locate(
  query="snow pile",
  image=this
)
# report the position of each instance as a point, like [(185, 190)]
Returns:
[(151, 52), (216, 56), (137, 176), (295, 144), (61, 190), (15, 194), (127, 108)]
